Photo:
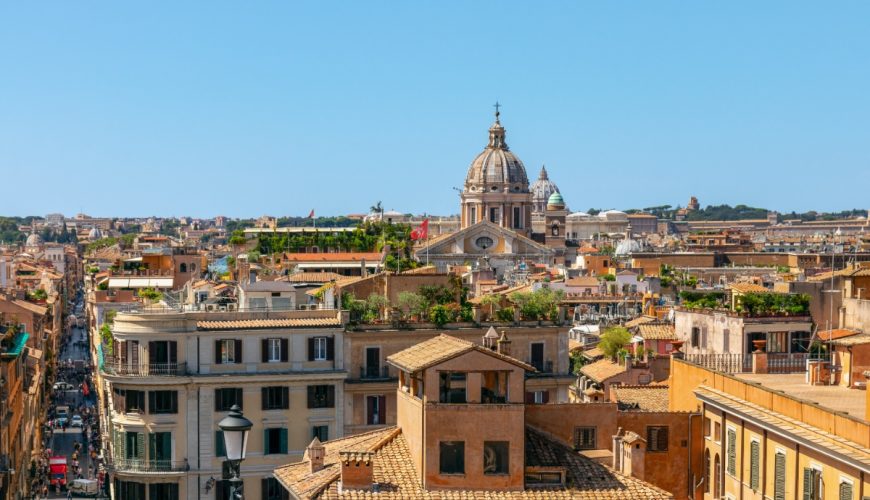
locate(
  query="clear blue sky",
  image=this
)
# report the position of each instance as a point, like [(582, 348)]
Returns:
[(251, 108)]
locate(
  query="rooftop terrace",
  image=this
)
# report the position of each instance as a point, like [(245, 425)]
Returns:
[(834, 397)]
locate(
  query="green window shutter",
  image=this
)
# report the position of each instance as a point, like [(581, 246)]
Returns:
[(152, 447), (219, 445), (779, 477), (732, 452), (845, 491), (808, 484), (753, 465), (284, 440), (266, 449), (140, 445)]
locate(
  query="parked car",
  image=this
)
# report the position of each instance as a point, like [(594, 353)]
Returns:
[(63, 386), (84, 488), (76, 421)]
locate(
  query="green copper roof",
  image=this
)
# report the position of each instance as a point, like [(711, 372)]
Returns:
[(17, 346), (555, 199)]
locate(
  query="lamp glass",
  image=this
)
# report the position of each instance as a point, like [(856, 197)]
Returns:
[(236, 442)]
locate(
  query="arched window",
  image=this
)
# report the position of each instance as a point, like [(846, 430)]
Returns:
[(555, 230), (182, 268), (716, 476)]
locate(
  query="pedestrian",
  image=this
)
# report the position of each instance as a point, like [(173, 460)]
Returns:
[(68, 494)]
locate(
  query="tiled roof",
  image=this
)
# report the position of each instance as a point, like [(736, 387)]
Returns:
[(748, 288), (602, 370), (312, 277), (593, 353), (639, 321), (827, 443), (839, 333), (642, 397), (582, 281), (333, 257), (248, 324), (440, 349), (394, 471), (657, 331), (861, 338)]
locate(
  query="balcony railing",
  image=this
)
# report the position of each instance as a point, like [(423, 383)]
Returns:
[(542, 366), (374, 372), (156, 466), (115, 367)]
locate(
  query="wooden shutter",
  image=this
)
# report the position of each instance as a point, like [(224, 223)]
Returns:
[(330, 396), (218, 399), (152, 351), (266, 449), (382, 408), (264, 395), (310, 393), (134, 354), (264, 350), (808, 484), (779, 477), (330, 348), (217, 352), (370, 410), (311, 349), (753, 465), (238, 353), (732, 452), (285, 398), (285, 350), (121, 400), (140, 445), (845, 491), (219, 445), (152, 447), (173, 351), (283, 440), (174, 406), (530, 397), (545, 398)]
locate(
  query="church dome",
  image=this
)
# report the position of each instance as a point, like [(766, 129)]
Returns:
[(541, 190), (497, 168), (95, 234), (555, 202), (34, 240)]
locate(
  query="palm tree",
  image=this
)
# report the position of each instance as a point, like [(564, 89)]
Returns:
[(377, 208)]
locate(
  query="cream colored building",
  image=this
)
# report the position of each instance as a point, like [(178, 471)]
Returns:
[(172, 376)]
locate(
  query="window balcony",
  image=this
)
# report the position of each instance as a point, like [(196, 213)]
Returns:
[(374, 372), (148, 466), (113, 366)]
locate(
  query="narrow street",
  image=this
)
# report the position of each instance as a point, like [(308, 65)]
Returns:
[(69, 436)]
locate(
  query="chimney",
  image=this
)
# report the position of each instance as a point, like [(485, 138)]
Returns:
[(504, 344), (490, 339), (356, 470), (252, 276), (316, 454)]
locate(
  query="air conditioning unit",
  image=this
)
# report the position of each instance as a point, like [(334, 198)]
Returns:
[(209, 307), (231, 307)]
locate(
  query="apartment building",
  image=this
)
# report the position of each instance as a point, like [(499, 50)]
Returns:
[(169, 377)]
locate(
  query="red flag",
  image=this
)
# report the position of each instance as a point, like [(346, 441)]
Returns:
[(422, 232), (311, 214)]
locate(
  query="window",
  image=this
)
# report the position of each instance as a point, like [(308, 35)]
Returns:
[(708, 471), (224, 399), (717, 432), (162, 491), (657, 438), (272, 490), (452, 457), (182, 268), (220, 449), (451, 387), (274, 441), (160, 449), (495, 457), (707, 426), (754, 474), (845, 492), (538, 397), (376, 407), (134, 445), (779, 476), (228, 351), (812, 484), (731, 450), (717, 476), (373, 362), (162, 402), (276, 398), (162, 355), (584, 438), (321, 396), (800, 341), (696, 337), (472, 215), (321, 348), (128, 401), (537, 356), (493, 214), (321, 432), (777, 342), (518, 218), (129, 490), (494, 386), (274, 350)]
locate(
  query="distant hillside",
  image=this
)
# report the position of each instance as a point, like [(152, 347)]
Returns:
[(727, 212)]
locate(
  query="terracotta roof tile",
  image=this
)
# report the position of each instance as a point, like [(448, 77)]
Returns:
[(657, 331), (839, 333), (642, 397), (639, 321), (602, 370), (312, 277), (440, 349), (861, 338), (748, 288)]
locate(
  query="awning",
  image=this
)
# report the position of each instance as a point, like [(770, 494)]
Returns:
[(133, 259), (17, 346)]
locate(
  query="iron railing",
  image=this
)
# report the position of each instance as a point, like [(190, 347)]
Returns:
[(542, 367), (374, 372), (138, 465), (726, 363), (114, 366)]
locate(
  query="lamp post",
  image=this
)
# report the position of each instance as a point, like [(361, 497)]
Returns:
[(235, 428)]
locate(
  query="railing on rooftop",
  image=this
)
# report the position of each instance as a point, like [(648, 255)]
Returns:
[(374, 372), (544, 367), (114, 366), (777, 362), (212, 308)]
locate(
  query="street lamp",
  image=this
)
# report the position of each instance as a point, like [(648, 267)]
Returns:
[(235, 429)]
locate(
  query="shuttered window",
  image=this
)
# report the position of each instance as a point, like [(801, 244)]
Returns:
[(779, 476), (321, 396), (274, 441), (753, 464), (732, 451), (584, 438), (845, 491), (220, 449), (657, 438), (812, 484)]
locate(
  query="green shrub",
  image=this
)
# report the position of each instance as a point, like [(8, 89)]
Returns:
[(613, 340), (505, 314), (439, 315)]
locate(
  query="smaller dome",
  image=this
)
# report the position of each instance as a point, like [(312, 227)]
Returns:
[(555, 201), (34, 240), (95, 234)]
